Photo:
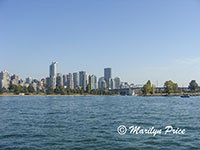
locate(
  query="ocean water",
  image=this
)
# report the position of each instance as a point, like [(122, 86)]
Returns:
[(91, 123)]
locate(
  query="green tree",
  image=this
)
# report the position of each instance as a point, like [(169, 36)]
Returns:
[(147, 88), (49, 91), (171, 87), (31, 89), (1, 91), (193, 86), (57, 90), (88, 89)]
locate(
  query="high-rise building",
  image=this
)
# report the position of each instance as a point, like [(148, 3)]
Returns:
[(108, 76), (59, 80), (87, 79), (4, 80), (47, 82), (113, 84), (101, 83), (117, 83), (52, 74), (53, 69), (76, 79), (83, 79), (92, 81), (53, 82), (70, 83), (65, 80)]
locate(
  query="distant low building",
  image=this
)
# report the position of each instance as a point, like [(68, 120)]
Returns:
[(14, 80)]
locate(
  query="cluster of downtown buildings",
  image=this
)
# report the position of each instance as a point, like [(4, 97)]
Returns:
[(71, 80)]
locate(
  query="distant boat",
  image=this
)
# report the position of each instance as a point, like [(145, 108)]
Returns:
[(185, 96)]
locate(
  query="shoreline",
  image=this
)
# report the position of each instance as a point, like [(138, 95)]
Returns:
[(155, 95)]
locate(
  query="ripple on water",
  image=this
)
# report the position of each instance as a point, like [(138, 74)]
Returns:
[(88, 123)]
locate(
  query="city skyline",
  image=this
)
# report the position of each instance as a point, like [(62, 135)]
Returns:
[(140, 40)]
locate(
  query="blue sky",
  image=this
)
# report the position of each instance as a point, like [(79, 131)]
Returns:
[(144, 39)]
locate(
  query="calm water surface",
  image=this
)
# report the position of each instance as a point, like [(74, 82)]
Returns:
[(90, 123)]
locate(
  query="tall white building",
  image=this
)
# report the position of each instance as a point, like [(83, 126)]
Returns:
[(101, 83), (113, 84), (53, 74), (53, 69), (92, 81), (4, 80)]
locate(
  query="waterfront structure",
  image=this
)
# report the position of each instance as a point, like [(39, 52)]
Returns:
[(108, 77), (117, 82), (59, 80), (4, 80), (70, 83), (83, 79), (92, 81), (124, 85), (76, 79)]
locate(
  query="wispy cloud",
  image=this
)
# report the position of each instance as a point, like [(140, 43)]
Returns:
[(189, 61)]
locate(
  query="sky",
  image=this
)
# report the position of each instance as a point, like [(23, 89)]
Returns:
[(140, 40)]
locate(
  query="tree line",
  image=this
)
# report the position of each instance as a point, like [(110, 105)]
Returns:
[(15, 89), (169, 88)]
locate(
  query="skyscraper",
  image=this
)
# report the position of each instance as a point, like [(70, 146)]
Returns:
[(53, 69), (108, 76), (112, 84), (76, 79), (4, 79), (52, 74), (70, 83), (82, 79), (65, 80), (117, 83), (101, 83), (92, 81), (59, 80), (53, 82)]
